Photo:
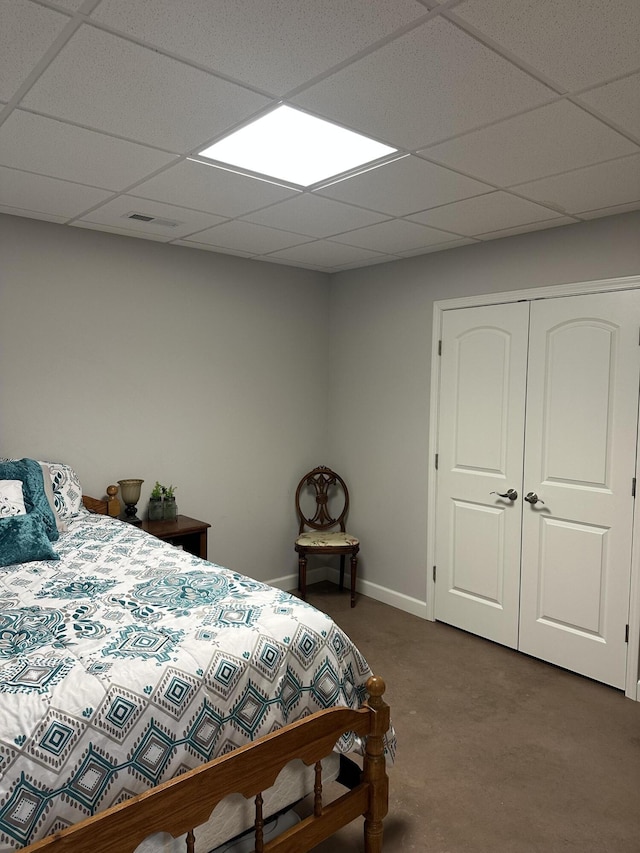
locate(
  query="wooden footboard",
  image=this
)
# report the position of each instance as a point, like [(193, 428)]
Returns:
[(180, 804)]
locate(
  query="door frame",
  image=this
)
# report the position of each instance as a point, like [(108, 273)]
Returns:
[(632, 680)]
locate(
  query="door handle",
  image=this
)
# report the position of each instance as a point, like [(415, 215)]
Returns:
[(532, 498), (510, 493)]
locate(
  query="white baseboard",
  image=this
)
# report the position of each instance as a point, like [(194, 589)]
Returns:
[(290, 582), (382, 593), (372, 590)]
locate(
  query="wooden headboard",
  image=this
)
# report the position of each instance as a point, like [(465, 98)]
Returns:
[(110, 506)]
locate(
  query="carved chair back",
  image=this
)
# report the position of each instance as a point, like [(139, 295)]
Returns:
[(331, 500)]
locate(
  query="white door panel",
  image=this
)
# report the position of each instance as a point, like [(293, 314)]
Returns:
[(577, 400), (570, 594), (477, 527), (580, 459), (480, 451)]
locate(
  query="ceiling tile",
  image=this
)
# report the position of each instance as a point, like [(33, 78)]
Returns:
[(248, 237), (37, 193), (73, 153), (327, 254), (610, 211), (434, 82), (619, 102), (366, 262), (394, 236), (125, 232), (193, 244), (578, 43), (283, 45), (115, 213), (273, 259), (526, 229), (32, 214), (484, 213), (404, 186), (202, 187), (107, 83), (548, 140), (71, 5), (314, 216), (438, 247), (604, 185), (27, 31), (206, 247)]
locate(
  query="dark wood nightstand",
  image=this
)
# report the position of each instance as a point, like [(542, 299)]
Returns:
[(190, 533)]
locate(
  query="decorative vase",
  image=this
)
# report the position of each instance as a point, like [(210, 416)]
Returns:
[(155, 509), (169, 509), (130, 491)]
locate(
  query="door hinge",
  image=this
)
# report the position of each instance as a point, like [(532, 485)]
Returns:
[(440, 347), (626, 633), (434, 574), (436, 462), (633, 487)]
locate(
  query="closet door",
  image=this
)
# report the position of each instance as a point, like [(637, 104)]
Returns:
[(582, 410), (480, 450)]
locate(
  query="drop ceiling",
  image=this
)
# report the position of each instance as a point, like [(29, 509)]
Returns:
[(509, 116)]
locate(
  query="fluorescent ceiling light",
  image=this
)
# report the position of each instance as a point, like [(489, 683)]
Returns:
[(296, 147)]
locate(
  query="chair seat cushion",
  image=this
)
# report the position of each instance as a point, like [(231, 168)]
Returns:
[(323, 539)]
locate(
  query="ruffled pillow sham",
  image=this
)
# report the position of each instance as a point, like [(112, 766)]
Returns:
[(67, 491), (48, 490)]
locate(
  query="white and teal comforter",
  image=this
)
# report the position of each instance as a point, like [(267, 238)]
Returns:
[(129, 661)]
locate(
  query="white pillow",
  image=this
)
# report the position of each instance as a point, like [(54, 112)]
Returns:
[(67, 491), (48, 490), (11, 498)]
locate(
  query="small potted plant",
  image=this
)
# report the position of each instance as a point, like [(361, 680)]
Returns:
[(155, 503), (169, 509)]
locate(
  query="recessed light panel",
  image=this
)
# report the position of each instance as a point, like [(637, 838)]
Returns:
[(293, 146)]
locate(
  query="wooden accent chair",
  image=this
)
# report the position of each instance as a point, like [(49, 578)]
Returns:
[(328, 488)]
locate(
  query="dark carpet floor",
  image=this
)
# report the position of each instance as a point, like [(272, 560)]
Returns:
[(497, 752)]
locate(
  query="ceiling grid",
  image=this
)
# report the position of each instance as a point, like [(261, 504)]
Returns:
[(508, 118)]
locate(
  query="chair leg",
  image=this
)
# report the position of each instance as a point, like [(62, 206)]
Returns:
[(302, 576), (354, 570), (341, 572)]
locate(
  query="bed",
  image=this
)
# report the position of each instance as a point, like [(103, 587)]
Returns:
[(141, 686)]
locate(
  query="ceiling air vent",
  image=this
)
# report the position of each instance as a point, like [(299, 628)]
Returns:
[(144, 217)]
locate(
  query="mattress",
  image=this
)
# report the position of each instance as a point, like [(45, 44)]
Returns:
[(235, 815)]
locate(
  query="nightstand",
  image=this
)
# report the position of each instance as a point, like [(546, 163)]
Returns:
[(190, 533)]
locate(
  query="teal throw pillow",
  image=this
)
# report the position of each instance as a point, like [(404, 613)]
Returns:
[(35, 497), (23, 538)]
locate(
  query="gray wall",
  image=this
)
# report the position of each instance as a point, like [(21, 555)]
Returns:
[(129, 358), (381, 321), (214, 360)]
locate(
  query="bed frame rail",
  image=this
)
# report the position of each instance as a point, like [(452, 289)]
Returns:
[(178, 805)]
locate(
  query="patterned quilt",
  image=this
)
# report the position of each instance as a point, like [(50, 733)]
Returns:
[(130, 661)]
